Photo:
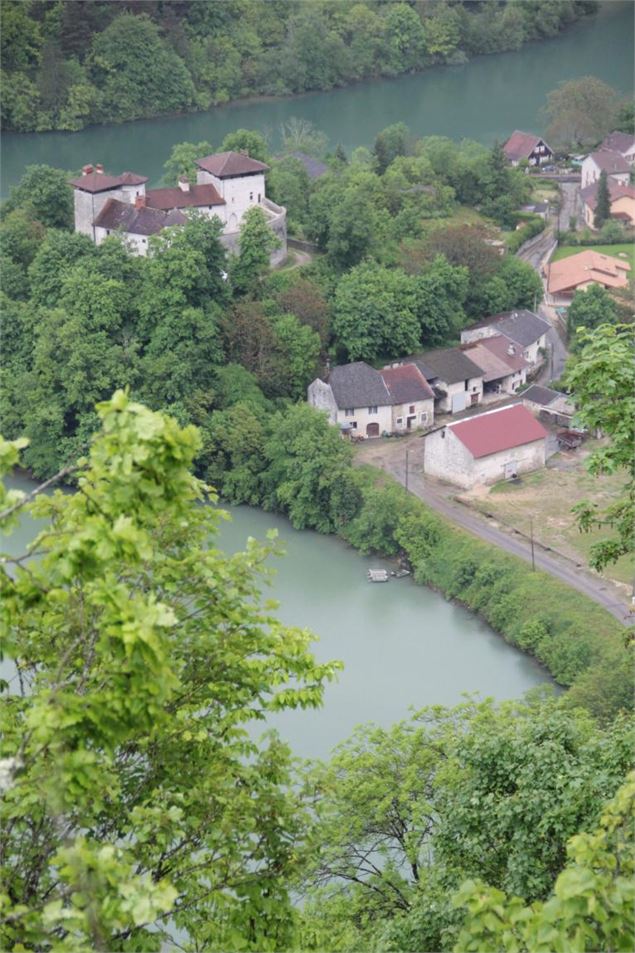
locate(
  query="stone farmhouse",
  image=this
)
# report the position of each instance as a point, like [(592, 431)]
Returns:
[(457, 381), (495, 445), (368, 403), (579, 272), (524, 329), (227, 184), (526, 147)]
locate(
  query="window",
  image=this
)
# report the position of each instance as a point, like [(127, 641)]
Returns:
[(424, 418), (251, 196), (467, 385), (412, 409), (354, 424), (259, 196), (400, 421), (107, 231), (349, 411), (372, 410)]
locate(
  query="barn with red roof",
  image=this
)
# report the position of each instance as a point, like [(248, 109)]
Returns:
[(489, 447)]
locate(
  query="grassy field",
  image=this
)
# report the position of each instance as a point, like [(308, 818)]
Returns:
[(616, 251), (547, 496)]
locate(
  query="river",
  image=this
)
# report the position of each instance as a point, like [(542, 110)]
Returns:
[(402, 644), (484, 100)]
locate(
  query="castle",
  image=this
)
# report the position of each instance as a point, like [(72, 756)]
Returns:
[(227, 184)]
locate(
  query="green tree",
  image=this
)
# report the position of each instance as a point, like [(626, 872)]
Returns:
[(591, 907), (375, 313), (131, 66), (45, 195), (589, 309), (182, 160), (136, 800), (256, 244), (246, 140), (52, 263), (581, 112), (391, 142), (523, 286), (603, 383), (308, 474), (603, 202), (300, 135), (439, 295), (405, 48)]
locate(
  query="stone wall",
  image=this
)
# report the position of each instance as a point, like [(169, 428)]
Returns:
[(320, 396), (448, 459)]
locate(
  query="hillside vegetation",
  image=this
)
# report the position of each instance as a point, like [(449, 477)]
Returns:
[(69, 63)]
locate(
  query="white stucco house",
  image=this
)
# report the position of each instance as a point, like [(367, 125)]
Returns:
[(227, 185), (365, 402), (523, 328), (616, 166), (492, 446)]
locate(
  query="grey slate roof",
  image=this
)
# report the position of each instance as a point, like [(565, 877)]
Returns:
[(314, 168), (358, 385), (523, 327), (541, 395), (618, 142), (610, 162), (136, 221), (450, 365)]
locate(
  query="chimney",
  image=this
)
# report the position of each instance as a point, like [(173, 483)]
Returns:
[(140, 201), (511, 349), (87, 169), (184, 183), (99, 169)]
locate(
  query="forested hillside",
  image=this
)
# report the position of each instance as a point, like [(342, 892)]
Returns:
[(68, 64)]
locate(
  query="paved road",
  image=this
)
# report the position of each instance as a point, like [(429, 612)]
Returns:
[(596, 589)]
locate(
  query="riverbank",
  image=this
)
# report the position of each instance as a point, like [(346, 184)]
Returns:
[(579, 643)]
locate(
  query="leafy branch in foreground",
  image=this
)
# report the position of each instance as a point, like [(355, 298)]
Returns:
[(137, 800)]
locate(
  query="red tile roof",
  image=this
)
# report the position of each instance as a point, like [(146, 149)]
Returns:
[(406, 383), (498, 430), (587, 266), (198, 195), (520, 145), (617, 190), (225, 165)]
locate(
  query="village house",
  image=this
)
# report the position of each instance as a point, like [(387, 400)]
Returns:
[(503, 365), (622, 142), (492, 446), (578, 272), (457, 382), (617, 168), (622, 199), (368, 403), (524, 329), (526, 147), (551, 405), (227, 184)]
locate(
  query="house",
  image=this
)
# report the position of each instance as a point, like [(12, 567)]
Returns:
[(496, 445), (227, 185), (457, 382), (550, 404), (526, 147), (580, 271), (367, 402), (523, 328), (614, 164), (501, 360), (622, 202), (622, 142)]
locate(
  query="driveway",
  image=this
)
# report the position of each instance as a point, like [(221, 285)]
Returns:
[(390, 455)]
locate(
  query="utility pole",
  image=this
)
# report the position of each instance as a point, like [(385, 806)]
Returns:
[(531, 538), (407, 451)]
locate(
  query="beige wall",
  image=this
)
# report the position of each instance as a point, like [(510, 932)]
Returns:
[(446, 458), (390, 418), (474, 386)]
